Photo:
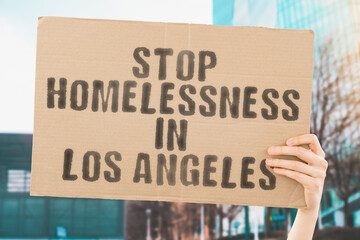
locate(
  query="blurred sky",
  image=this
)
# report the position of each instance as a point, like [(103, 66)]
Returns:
[(18, 22)]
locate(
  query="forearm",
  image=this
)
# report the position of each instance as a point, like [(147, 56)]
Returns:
[(304, 225)]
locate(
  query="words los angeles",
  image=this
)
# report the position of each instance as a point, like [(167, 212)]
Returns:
[(170, 170)]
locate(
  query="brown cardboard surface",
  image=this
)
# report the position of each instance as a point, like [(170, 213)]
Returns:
[(88, 52)]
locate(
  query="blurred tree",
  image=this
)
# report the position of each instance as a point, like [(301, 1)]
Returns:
[(335, 119), (169, 220), (190, 220), (268, 212), (210, 212), (220, 212), (230, 212), (135, 220), (162, 219)]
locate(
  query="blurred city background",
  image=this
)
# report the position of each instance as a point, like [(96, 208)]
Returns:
[(335, 120)]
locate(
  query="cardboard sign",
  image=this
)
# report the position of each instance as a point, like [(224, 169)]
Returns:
[(170, 112)]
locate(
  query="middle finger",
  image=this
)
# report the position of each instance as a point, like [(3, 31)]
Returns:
[(300, 152)]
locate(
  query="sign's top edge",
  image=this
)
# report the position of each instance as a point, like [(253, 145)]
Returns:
[(41, 18)]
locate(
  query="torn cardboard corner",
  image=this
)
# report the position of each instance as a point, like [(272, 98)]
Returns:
[(168, 112)]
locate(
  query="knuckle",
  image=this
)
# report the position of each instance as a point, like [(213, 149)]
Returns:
[(295, 164), (280, 149), (314, 137), (324, 164), (296, 150), (295, 140), (299, 164), (322, 175), (299, 151), (292, 164)]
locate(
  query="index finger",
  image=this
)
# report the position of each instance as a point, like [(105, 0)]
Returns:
[(311, 140)]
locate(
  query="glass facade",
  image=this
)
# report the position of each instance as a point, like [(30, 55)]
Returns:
[(336, 24), (223, 12), (337, 29)]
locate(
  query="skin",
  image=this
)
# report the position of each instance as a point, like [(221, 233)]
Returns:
[(310, 173)]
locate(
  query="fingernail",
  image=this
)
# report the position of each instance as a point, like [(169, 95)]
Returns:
[(268, 160), (270, 149), (289, 141)]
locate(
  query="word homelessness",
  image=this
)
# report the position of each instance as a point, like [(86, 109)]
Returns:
[(213, 101)]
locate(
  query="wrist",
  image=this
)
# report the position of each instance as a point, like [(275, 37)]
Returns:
[(311, 214)]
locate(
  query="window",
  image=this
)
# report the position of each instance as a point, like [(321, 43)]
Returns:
[(18, 181)]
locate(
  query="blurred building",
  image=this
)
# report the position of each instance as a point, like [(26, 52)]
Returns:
[(22, 216), (336, 24), (330, 19)]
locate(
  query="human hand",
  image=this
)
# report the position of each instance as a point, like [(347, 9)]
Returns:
[(310, 173)]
